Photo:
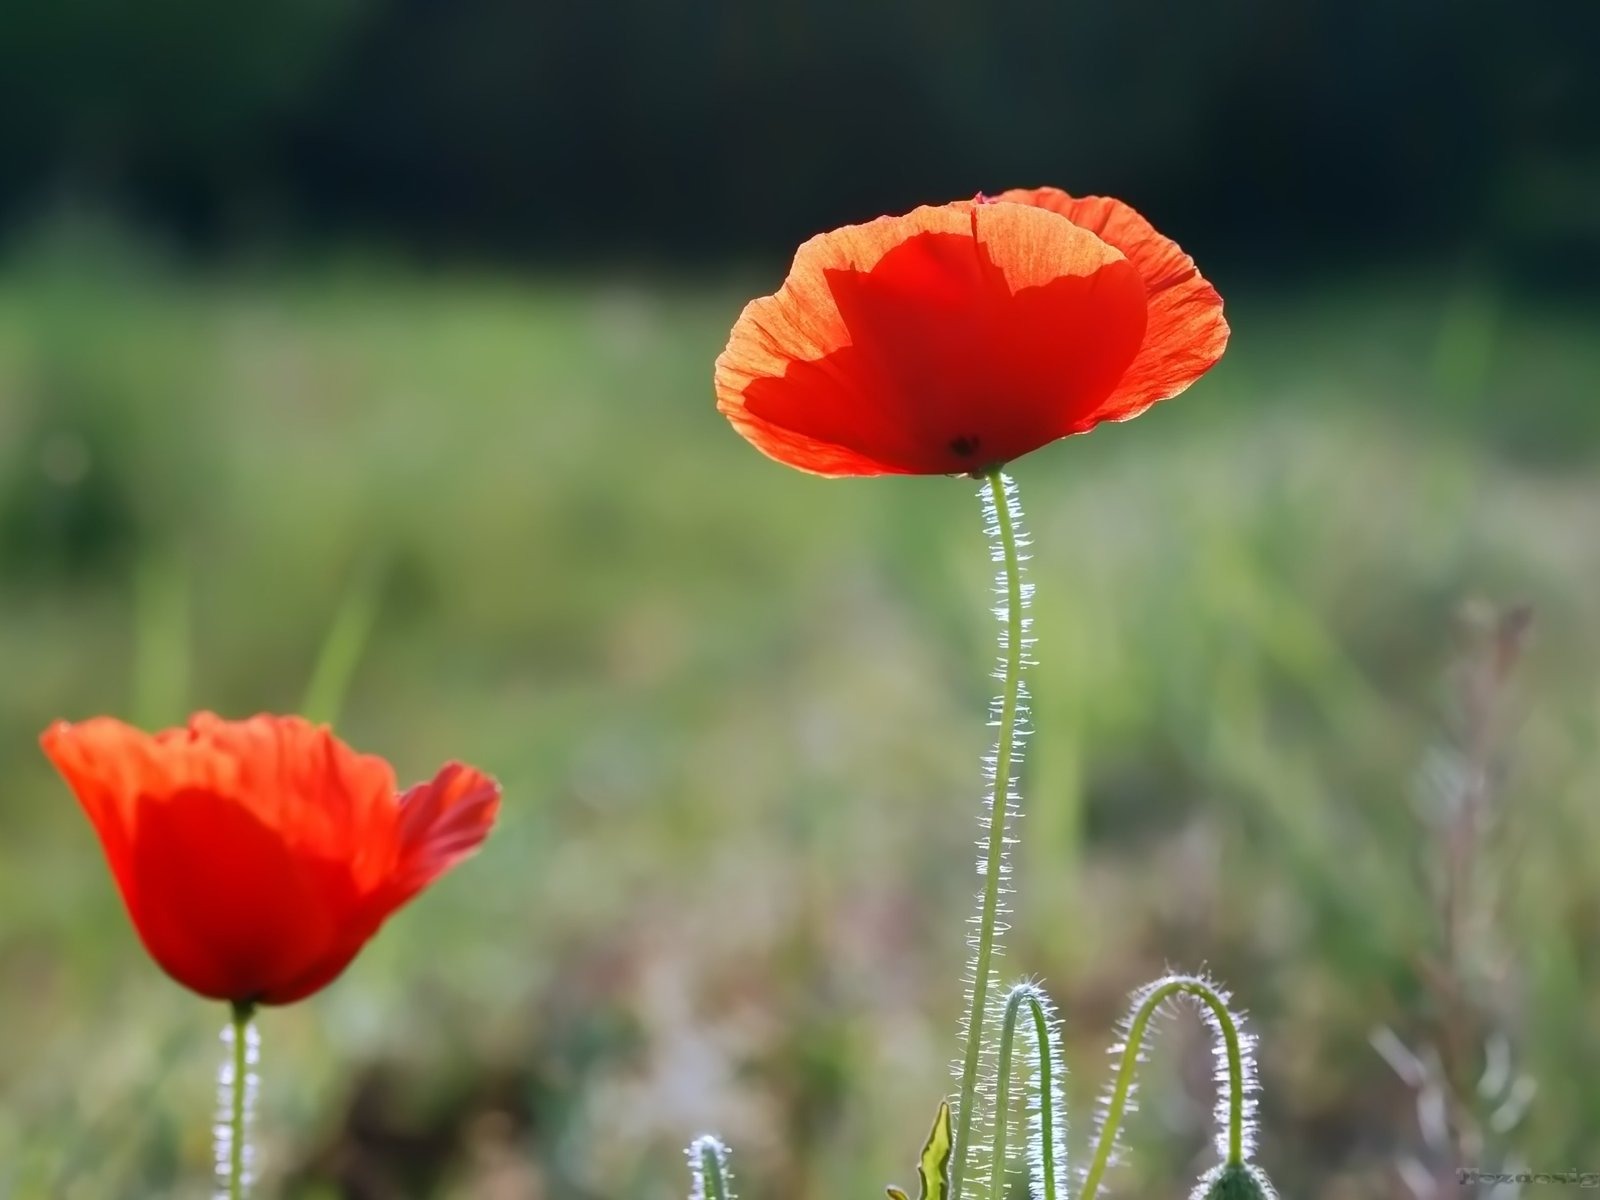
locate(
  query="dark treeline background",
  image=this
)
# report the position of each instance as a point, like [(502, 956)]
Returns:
[(1281, 131)]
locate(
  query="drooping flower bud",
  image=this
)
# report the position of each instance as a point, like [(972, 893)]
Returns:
[(1234, 1181)]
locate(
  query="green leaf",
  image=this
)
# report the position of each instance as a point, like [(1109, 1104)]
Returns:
[(933, 1168)]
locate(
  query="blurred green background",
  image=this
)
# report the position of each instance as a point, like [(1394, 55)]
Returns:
[(358, 356)]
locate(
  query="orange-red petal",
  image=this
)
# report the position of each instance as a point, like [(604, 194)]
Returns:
[(256, 857), (944, 341), (108, 765), (441, 822), (1186, 332), (438, 824), (225, 904)]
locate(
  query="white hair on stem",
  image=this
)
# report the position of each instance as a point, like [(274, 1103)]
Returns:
[(231, 1090), (1235, 1073), (1009, 716), (709, 1176), (1028, 1008)]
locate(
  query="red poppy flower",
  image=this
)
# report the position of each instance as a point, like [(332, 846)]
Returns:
[(957, 338), (257, 857)]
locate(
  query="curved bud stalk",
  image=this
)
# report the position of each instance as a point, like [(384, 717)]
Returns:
[(1235, 1110), (976, 1068), (1047, 1111), (709, 1176)]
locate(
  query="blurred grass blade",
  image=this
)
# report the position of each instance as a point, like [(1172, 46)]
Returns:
[(343, 647), (161, 639)]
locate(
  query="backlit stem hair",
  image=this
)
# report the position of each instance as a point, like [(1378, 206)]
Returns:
[(1235, 1071), (976, 1069), (1028, 1005), (709, 1176), (236, 1100)]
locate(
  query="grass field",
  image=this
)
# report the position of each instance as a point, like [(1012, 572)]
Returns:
[(738, 714)]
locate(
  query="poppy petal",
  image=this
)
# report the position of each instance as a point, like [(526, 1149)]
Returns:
[(442, 822), (108, 765), (300, 779), (945, 341), (225, 905), (1186, 332), (438, 824)]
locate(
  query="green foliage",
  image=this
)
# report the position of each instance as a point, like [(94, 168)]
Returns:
[(933, 1164)]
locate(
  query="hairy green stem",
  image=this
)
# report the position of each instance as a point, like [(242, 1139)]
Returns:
[(998, 812), (238, 1096), (1137, 1027), (708, 1164), (716, 1186), (1048, 1150)]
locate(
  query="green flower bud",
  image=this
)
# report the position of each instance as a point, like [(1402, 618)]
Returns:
[(1234, 1181)]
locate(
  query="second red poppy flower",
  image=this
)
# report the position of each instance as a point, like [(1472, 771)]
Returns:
[(257, 857)]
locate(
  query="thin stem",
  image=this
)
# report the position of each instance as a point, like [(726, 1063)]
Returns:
[(241, 1069), (1047, 1146), (1002, 1098), (1050, 1147), (996, 493), (1224, 1024), (716, 1186), (708, 1169), (233, 1121)]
